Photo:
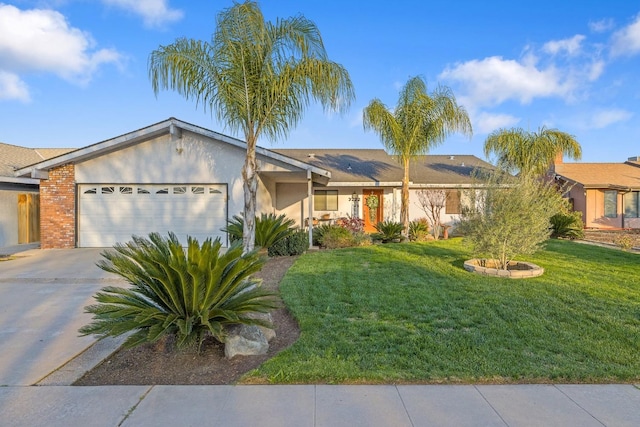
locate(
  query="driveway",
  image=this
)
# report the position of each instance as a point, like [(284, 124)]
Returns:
[(42, 298)]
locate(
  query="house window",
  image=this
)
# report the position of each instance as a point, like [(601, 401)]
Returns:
[(325, 200), (453, 202), (632, 204), (611, 204)]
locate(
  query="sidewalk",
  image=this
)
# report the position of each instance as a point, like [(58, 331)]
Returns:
[(322, 405)]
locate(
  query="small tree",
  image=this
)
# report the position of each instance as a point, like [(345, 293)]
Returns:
[(510, 217), (432, 202)]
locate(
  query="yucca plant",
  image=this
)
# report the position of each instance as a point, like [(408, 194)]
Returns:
[(188, 294), (418, 229), (269, 229)]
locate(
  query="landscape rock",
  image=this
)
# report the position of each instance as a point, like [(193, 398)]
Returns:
[(245, 340)]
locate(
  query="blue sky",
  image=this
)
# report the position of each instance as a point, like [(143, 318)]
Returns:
[(74, 72)]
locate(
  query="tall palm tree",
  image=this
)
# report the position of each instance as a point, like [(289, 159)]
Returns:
[(419, 122), (256, 76), (525, 152)]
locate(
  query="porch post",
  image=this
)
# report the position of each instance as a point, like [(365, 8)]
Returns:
[(310, 213)]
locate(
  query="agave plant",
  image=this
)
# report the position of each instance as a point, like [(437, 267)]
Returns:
[(269, 229), (188, 294)]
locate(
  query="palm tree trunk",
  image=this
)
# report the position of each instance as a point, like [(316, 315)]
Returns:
[(404, 202), (250, 186)]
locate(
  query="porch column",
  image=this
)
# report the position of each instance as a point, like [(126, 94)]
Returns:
[(310, 214)]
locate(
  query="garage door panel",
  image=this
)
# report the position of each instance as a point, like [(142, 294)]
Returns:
[(110, 213)]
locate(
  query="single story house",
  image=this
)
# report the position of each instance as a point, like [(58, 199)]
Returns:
[(175, 176), (19, 201), (607, 194)]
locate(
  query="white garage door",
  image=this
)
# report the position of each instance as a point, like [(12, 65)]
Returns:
[(110, 213)]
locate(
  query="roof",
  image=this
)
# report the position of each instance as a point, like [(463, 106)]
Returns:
[(13, 157), (375, 166), (602, 175), (171, 126)]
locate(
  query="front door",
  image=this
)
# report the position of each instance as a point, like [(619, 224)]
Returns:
[(372, 209)]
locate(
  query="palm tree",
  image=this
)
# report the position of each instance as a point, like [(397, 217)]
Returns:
[(258, 77), (419, 122), (525, 152)]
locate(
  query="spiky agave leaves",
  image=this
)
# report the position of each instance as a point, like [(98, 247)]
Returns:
[(176, 292)]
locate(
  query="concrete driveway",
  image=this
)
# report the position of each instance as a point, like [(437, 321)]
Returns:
[(42, 298)]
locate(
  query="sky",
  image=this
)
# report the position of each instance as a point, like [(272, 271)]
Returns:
[(74, 72)]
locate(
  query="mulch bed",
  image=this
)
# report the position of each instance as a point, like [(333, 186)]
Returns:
[(161, 363)]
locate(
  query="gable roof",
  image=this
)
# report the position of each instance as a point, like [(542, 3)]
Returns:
[(376, 167), (171, 126), (13, 157), (602, 175)]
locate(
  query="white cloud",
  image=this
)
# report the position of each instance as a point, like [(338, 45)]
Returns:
[(494, 80), (602, 25), (626, 42), (571, 46), (604, 118), (154, 13), (42, 40), (485, 123), (12, 88)]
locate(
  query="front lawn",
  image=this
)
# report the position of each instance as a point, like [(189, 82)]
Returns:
[(411, 313)]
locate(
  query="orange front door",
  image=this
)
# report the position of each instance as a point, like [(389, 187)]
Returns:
[(372, 216)]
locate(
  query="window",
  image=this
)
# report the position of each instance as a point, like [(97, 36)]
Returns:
[(107, 190), (632, 204), (325, 200), (179, 190), (611, 203), (126, 190), (453, 202)]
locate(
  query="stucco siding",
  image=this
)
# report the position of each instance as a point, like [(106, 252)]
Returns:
[(191, 159), (8, 218)]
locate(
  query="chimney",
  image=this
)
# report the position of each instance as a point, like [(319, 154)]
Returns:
[(559, 158)]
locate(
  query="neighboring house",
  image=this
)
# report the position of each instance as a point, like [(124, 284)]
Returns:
[(175, 176), (607, 194), (19, 202)]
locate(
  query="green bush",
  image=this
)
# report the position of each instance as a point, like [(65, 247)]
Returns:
[(418, 230), (335, 236), (318, 232), (188, 294), (269, 229), (295, 244), (389, 231), (509, 217), (567, 225)]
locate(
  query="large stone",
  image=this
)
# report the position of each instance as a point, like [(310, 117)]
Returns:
[(245, 340), (265, 317)]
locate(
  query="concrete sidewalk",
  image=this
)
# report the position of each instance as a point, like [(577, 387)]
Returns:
[(322, 405)]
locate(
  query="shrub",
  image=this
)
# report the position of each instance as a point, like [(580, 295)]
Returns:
[(624, 241), (294, 244), (188, 294), (418, 229), (567, 225), (509, 217), (269, 229), (335, 236), (389, 231), (318, 232), (353, 224)]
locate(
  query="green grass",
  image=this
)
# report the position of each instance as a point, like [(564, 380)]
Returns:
[(411, 313)]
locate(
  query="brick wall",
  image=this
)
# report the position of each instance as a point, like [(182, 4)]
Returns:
[(58, 208)]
